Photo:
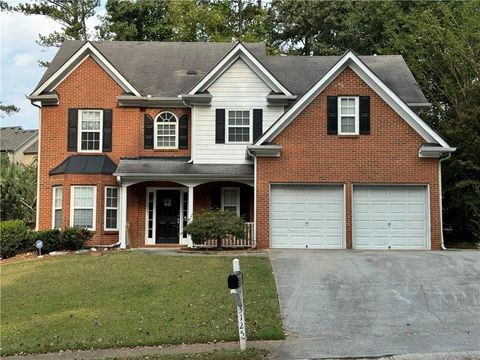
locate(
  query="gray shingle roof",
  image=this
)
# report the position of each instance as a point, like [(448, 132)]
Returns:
[(32, 149), (12, 137), (180, 166), (160, 68)]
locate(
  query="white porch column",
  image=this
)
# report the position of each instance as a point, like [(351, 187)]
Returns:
[(190, 211), (122, 230)]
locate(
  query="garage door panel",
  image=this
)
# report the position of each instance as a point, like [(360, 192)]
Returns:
[(389, 217), (315, 216)]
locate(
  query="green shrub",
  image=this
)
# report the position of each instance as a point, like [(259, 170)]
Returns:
[(14, 238), (52, 239), (215, 225), (75, 237)]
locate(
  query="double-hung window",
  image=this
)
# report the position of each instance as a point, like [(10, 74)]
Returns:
[(348, 115), (83, 205), (57, 207), (231, 199), (90, 128), (166, 129), (111, 208), (239, 125)]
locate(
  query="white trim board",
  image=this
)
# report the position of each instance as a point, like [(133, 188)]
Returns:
[(372, 80), (87, 50), (240, 52)]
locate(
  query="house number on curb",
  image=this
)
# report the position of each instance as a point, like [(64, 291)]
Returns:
[(235, 284)]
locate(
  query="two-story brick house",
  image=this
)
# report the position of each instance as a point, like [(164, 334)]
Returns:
[(318, 152)]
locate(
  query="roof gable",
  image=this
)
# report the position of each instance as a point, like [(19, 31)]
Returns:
[(239, 52), (372, 80), (14, 137), (77, 58)]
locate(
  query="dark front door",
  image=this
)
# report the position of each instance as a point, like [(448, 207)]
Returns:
[(168, 216)]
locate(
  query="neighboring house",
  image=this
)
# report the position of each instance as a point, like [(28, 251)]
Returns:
[(20, 145), (321, 152)]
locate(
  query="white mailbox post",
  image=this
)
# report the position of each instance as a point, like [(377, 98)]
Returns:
[(235, 284)]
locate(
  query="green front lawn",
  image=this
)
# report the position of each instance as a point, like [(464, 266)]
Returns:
[(130, 299)]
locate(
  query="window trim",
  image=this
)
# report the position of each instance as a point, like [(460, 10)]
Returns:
[(72, 204), (105, 208), (357, 115), (54, 208), (222, 203), (79, 135), (155, 132), (250, 127)]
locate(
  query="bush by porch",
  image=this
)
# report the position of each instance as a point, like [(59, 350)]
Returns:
[(130, 299)]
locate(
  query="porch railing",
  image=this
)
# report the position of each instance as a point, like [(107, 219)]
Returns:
[(232, 241)]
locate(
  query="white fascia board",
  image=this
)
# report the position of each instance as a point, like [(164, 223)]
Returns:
[(374, 82), (75, 60), (239, 51)]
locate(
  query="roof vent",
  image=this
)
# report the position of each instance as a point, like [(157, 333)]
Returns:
[(191, 72)]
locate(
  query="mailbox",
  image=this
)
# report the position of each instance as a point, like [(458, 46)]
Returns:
[(235, 280)]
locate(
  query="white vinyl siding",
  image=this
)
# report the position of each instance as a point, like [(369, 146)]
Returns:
[(307, 216), (238, 88), (390, 217), (83, 203), (57, 207)]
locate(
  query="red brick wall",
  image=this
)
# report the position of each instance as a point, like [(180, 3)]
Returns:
[(388, 155), (89, 86)]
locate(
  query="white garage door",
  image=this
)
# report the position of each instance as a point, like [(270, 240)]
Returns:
[(390, 217), (306, 216)]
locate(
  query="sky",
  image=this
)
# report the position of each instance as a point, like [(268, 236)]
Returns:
[(19, 55)]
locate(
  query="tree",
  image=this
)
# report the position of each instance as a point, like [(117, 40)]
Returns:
[(7, 110), (18, 187), (309, 27), (141, 20), (215, 225), (189, 20), (70, 14)]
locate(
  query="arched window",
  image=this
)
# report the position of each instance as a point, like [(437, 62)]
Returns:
[(166, 129)]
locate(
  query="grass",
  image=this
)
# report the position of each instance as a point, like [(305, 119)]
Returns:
[(249, 354), (131, 299)]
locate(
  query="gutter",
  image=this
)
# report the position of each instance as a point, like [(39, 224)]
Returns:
[(441, 200)]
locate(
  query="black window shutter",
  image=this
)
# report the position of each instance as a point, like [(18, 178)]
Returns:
[(72, 129), (257, 123), (183, 132), (220, 126), (364, 115), (107, 130), (147, 132), (332, 115), (216, 199), (245, 204)]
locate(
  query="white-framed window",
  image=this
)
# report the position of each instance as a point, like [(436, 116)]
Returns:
[(231, 199), (348, 115), (90, 126), (83, 200), (166, 131), (111, 208), (238, 126), (57, 207)]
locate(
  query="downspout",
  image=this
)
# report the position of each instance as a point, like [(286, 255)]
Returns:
[(37, 210), (441, 200)]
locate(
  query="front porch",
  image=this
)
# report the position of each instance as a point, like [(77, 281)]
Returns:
[(156, 207)]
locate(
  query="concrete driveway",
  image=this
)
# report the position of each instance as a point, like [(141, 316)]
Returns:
[(373, 303)]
